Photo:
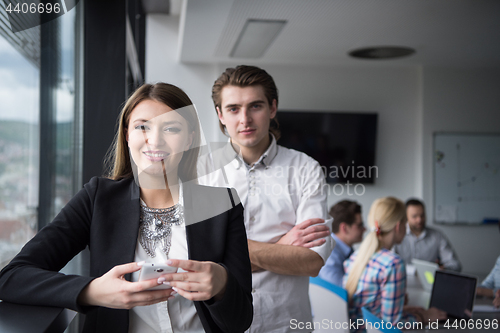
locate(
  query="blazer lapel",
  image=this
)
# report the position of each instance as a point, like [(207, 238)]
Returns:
[(187, 194), (205, 236), (129, 215)]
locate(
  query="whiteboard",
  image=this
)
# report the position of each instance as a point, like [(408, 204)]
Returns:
[(466, 178)]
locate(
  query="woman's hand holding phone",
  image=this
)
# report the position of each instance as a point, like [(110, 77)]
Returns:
[(156, 271), (112, 290), (201, 281)]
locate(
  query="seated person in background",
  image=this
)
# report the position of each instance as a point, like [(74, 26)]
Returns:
[(347, 230), (425, 243), (490, 287), (375, 276)]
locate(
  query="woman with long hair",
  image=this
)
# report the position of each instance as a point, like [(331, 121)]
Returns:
[(375, 276), (149, 210)]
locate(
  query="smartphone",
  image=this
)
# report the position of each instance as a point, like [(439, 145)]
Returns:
[(154, 271)]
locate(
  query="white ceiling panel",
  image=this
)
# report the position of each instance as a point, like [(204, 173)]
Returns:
[(322, 32)]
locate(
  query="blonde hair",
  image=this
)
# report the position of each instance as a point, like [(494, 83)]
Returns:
[(118, 157), (384, 215)]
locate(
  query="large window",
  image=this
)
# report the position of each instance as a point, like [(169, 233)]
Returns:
[(19, 143), (40, 125)]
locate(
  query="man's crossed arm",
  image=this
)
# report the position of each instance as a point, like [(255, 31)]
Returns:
[(292, 255)]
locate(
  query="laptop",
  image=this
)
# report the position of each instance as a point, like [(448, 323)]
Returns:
[(425, 272), (454, 293)]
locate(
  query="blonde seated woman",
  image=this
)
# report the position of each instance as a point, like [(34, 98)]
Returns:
[(375, 276)]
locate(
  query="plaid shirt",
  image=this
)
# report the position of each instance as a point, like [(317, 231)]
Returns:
[(381, 288)]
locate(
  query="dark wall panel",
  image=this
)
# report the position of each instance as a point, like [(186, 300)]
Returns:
[(105, 79)]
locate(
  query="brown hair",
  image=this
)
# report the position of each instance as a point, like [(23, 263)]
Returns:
[(344, 211), (414, 202), (118, 157), (246, 76)]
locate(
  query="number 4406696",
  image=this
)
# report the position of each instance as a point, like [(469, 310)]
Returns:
[(472, 324), (34, 8)]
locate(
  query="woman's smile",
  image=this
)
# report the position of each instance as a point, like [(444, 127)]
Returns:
[(156, 156)]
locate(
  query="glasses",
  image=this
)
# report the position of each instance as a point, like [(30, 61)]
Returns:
[(359, 225)]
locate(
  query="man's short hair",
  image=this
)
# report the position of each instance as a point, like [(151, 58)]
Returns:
[(414, 202), (247, 76), (344, 211)]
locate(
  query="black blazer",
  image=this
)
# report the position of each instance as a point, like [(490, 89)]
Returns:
[(104, 215)]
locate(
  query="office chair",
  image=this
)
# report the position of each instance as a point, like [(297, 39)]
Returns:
[(329, 303), (374, 324)]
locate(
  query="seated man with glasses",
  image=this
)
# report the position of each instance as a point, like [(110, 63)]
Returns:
[(347, 230)]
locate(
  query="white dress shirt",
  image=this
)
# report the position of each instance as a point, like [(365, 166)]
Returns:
[(176, 315), (284, 188)]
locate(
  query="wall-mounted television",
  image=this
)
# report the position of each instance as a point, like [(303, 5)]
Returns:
[(342, 142)]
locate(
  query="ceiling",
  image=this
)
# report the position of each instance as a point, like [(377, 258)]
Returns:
[(456, 33)]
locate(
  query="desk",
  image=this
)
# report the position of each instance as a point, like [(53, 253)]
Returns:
[(417, 296), (16, 318)]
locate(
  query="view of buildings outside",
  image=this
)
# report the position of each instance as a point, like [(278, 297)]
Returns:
[(19, 147), (20, 131)]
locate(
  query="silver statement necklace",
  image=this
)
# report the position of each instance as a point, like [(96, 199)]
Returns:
[(155, 227)]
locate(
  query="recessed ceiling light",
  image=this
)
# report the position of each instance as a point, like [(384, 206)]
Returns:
[(256, 37), (382, 52)]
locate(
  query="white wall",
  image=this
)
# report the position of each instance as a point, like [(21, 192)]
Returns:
[(162, 48), (462, 100), (412, 103)]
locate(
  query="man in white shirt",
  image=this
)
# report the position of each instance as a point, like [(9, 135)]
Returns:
[(284, 194), (424, 243)]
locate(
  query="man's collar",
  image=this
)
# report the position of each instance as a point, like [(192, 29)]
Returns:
[(422, 234), (346, 249), (270, 152), (235, 157), (266, 158)]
